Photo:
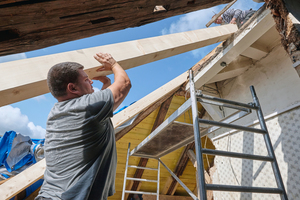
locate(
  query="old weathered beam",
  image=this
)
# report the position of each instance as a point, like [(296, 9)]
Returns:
[(23, 79), (30, 25), (172, 184), (207, 178), (287, 19), (143, 161)]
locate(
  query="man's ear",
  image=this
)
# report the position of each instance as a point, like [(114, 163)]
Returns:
[(72, 88)]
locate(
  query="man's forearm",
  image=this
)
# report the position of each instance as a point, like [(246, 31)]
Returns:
[(122, 82)]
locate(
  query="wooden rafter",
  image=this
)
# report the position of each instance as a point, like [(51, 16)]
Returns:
[(27, 77), (143, 115), (143, 161)]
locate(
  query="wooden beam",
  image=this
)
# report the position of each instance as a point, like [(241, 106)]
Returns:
[(293, 47), (143, 115), (254, 53), (234, 69), (207, 178), (30, 25), (21, 181), (166, 197), (147, 101), (143, 161), (23, 79), (261, 22), (180, 167)]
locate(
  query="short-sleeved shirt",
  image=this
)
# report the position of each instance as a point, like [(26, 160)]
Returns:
[(235, 13), (80, 149)]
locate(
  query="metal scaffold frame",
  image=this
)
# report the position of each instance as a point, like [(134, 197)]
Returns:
[(148, 148)]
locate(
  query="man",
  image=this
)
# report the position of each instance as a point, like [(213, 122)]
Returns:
[(235, 16), (80, 149)]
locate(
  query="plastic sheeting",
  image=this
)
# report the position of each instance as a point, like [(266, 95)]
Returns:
[(17, 152)]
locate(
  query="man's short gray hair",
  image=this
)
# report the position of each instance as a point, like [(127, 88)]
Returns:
[(60, 75)]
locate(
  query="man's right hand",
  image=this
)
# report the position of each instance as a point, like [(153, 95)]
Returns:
[(121, 85), (106, 60)]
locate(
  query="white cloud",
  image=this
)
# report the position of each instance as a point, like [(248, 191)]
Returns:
[(12, 57), (191, 21), (40, 98), (12, 119)]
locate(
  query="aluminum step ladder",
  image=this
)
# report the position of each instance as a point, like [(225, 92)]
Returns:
[(139, 179), (202, 186)]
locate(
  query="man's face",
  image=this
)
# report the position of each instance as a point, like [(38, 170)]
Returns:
[(84, 84), (219, 20)]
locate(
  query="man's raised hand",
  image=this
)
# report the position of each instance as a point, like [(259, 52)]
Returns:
[(106, 60)]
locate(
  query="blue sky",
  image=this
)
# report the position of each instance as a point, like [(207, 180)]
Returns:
[(29, 116)]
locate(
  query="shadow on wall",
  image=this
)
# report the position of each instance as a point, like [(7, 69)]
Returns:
[(284, 132), (289, 123)]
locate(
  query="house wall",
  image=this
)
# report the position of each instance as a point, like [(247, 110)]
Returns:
[(277, 86)]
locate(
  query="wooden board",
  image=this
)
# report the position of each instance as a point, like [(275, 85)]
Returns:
[(21, 181), (23, 79), (166, 140)]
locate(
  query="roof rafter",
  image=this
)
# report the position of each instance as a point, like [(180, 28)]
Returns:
[(27, 77)]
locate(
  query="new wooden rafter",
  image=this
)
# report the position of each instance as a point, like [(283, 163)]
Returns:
[(23, 79)]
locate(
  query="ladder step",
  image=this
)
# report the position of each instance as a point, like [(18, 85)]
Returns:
[(140, 179), (237, 155), (232, 126), (139, 192), (201, 100), (138, 167), (234, 188), (234, 103)]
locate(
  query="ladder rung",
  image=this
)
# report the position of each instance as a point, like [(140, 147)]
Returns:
[(139, 192), (234, 103), (138, 167), (223, 104), (234, 188), (232, 126), (140, 179), (237, 155)]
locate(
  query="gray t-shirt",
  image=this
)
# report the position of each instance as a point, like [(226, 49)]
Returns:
[(80, 149)]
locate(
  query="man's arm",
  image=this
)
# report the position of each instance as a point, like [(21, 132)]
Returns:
[(236, 14), (122, 84)]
